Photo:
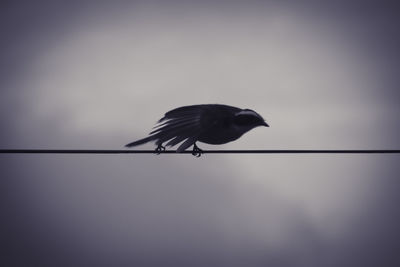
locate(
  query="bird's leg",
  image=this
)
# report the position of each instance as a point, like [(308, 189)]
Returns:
[(159, 149), (196, 151)]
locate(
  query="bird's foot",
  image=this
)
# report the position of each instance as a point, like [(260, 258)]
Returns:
[(160, 148), (196, 151)]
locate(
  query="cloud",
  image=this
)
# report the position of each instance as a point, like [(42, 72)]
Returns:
[(85, 76)]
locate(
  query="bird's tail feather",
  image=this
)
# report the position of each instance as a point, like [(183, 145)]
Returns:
[(140, 142)]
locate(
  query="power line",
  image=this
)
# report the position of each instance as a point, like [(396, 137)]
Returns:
[(268, 151)]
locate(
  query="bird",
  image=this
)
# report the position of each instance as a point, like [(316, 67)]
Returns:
[(207, 123)]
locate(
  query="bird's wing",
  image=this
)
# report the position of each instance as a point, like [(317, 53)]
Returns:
[(178, 125)]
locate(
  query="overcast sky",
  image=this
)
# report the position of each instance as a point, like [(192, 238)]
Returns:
[(92, 74)]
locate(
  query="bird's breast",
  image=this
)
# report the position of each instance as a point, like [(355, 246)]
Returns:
[(218, 127), (218, 136)]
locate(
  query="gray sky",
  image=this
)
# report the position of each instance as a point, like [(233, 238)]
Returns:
[(99, 75)]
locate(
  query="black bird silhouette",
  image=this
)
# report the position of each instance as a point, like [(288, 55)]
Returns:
[(210, 123)]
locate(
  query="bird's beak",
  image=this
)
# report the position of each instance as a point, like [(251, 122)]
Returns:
[(265, 124)]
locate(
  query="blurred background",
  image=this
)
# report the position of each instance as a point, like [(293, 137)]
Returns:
[(99, 74)]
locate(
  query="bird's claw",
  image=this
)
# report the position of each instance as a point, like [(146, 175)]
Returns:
[(196, 151), (159, 149)]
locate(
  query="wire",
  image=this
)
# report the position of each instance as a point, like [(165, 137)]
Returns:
[(270, 151)]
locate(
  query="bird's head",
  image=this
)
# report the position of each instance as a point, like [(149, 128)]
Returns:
[(248, 119)]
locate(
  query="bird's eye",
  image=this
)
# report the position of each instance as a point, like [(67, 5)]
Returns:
[(245, 119)]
